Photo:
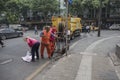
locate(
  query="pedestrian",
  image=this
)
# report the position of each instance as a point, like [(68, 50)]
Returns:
[(93, 28), (1, 42), (36, 30), (34, 46), (23, 30), (68, 35), (88, 28), (45, 41)]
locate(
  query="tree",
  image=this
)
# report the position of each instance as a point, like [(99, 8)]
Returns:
[(14, 9), (2, 5), (45, 6), (80, 6)]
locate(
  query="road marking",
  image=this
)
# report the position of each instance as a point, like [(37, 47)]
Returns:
[(7, 61), (69, 55), (85, 68), (117, 72), (37, 71), (92, 46), (88, 53), (74, 44), (54, 65)]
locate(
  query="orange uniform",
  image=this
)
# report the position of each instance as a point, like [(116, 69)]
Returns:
[(52, 40), (45, 42)]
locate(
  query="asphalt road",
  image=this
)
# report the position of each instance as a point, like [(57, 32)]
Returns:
[(12, 67)]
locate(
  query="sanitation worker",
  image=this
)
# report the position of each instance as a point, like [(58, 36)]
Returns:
[(45, 41), (52, 39)]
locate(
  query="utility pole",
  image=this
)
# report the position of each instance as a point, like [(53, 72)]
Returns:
[(66, 26), (99, 18), (59, 7)]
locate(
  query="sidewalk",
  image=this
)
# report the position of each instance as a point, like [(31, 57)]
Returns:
[(103, 69), (67, 69), (64, 69), (81, 66)]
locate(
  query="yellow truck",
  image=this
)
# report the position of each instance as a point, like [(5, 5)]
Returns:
[(74, 25)]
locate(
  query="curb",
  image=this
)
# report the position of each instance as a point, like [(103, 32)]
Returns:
[(37, 71)]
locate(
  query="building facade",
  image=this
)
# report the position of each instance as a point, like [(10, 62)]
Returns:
[(110, 14)]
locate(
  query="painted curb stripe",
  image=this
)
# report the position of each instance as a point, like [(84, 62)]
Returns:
[(37, 71)]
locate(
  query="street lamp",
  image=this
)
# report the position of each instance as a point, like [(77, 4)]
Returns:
[(99, 18)]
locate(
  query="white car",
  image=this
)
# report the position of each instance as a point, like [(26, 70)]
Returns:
[(115, 27)]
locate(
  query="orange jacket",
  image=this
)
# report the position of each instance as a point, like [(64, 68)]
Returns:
[(46, 37)]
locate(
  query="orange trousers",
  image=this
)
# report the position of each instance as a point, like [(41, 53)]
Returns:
[(52, 46), (43, 46)]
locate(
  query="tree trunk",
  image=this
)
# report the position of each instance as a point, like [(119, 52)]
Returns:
[(94, 12)]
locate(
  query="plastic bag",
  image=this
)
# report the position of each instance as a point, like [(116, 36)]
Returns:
[(28, 57), (28, 53)]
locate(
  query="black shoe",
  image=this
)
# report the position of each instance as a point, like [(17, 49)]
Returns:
[(32, 60), (37, 58)]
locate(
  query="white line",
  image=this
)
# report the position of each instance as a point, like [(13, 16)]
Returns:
[(85, 68), (92, 46), (7, 61), (74, 44), (118, 74), (88, 53)]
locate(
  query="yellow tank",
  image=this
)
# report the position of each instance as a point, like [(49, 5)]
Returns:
[(56, 21), (74, 24)]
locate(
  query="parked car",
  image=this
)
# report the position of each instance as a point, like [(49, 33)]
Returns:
[(115, 27), (21, 28), (10, 33), (18, 27)]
